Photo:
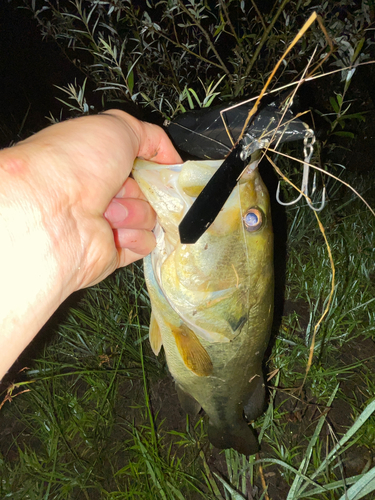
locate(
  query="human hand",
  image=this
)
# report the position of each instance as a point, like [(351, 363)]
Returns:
[(77, 172), (61, 228)]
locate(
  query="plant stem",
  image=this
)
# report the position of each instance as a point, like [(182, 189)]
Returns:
[(209, 41), (259, 14), (171, 68), (229, 22), (262, 42)]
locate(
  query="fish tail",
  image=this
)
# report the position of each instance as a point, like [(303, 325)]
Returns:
[(240, 436)]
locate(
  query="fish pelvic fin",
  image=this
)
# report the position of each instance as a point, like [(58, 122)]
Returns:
[(188, 403), (240, 436), (155, 335), (193, 354)]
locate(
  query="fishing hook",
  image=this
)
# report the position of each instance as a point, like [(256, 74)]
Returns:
[(308, 148)]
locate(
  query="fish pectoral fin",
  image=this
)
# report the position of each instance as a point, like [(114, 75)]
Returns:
[(254, 406), (193, 354), (188, 403), (155, 335)]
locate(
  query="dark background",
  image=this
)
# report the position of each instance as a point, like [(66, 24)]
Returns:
[(29, 69)]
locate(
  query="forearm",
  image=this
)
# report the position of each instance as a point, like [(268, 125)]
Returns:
[(31, 283), (27, 297)]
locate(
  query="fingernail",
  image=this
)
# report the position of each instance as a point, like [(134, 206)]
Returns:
[(116, 212), (121, 193)]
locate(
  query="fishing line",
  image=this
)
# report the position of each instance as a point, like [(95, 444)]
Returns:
[(316, 168), (328, 306), (333, 269), (194, 132)]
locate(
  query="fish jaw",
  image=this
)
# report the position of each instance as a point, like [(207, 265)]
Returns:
[(221, 290)]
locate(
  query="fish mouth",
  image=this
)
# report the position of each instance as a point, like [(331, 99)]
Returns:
[(173, 185), (171, 190)]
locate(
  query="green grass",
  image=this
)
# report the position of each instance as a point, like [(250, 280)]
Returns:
[(350, 321)]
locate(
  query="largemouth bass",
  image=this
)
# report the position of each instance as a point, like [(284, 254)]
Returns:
[(212, 302)]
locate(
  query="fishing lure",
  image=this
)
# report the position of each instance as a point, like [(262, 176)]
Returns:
[(204, 134), (260, 129)]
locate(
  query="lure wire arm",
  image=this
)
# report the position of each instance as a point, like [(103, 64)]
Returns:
[(308, 149)]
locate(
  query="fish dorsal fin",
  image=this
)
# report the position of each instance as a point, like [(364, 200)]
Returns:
[(194, 355), (155, 335)]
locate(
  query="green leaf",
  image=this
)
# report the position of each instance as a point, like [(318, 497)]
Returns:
[(364, 416), (330, 486), (208, 100), (358, 49), (218, 30), (194, 94), (190, 100), (334, 104), (344, 133), (354, 116), (131, 81), (302, 471)]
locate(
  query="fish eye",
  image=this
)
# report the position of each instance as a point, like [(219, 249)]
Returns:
[(253, 219)]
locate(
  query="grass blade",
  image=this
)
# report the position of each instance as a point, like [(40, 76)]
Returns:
[(232, 491), (362, 487), (293, 493)]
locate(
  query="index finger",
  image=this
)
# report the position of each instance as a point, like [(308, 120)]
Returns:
[(153, 142), (130, 189)]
